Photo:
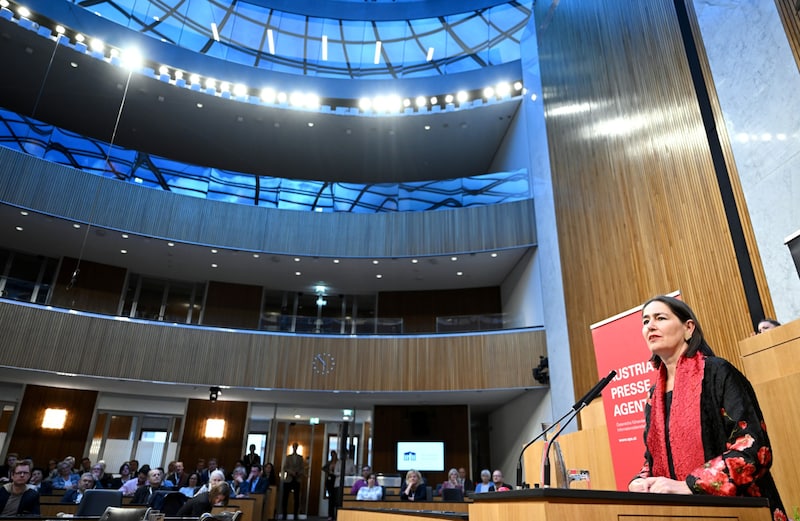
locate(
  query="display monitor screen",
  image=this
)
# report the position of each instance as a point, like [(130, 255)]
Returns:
[(420, 455)]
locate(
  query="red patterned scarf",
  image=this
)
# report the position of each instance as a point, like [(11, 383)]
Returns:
[(684, 420)]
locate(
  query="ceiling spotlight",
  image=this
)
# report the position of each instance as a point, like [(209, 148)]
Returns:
[(213, 393), (462, 96), (503, 89), (488, 92), (268, 95), (420, 101)]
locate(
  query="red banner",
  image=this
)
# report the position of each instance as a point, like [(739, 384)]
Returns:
[(619, 346)]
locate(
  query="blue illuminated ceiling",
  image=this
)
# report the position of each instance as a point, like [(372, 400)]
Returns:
[(320, 41)]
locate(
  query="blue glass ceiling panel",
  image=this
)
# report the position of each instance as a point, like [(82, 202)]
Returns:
[(467, 39)]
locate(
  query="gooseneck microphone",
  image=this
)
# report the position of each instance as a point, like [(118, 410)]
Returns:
[(593, 393)]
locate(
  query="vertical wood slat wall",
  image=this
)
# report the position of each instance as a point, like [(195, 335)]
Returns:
[(29, 439), (790, 16), (37, 338), (638, 206)]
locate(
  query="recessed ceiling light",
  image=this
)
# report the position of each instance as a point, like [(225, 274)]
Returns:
[(199, 105), (19, 228), (459, 273), (453, 259), (297, 416), (310, 123), (378, 276), (170, 244), (215, 265), (494, 255), (124, 235), (376, 261), (297, 273), (414, 261), (123, 251), (256, 255), (76, 226), (73, 65), (23, 212), (336, 261), (427, 127), (214, 251), (297, 259)]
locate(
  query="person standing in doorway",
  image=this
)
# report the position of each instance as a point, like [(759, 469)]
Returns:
[(293, 470)]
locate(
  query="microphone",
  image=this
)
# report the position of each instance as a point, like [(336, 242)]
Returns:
[(593, 393)]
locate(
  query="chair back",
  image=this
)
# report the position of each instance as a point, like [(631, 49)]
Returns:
[(125, 514), (452, 494), (95, 502), (167, 502)]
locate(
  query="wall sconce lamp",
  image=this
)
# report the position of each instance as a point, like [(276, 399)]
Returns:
[(215, 428), (54, 419), (213, 393)]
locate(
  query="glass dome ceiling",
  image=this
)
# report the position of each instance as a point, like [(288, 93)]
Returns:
[(269, 39)]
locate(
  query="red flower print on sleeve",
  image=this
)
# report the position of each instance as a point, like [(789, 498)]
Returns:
[(764, 456), (740, 471), (743, 442), (712, 479)]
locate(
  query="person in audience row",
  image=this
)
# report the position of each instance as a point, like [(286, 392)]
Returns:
[(86, 482), (258, 485), (130, 487), (192, 485), (66, 478), (414, 488), (366, 472), (485, 484), (453, 481), (17, 498), (217, 495), (124, 475), (371, 491), (155, 482), (466, 484), (499, 482), (239, 485)]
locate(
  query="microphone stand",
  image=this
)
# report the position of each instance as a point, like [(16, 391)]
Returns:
[(539, 436), (593, 393)]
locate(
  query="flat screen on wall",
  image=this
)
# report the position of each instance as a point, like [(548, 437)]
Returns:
[(420, 455)]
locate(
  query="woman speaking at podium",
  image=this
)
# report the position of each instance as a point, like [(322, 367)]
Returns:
[(704, 431)]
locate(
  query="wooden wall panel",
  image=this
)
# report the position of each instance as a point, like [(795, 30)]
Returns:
[(34, 183), (421, 423), (232, 305), (790, 16), (120, 427), (29, 439), (98, 287), (419, 309), (37, 338), (638, 206), (226, 450)]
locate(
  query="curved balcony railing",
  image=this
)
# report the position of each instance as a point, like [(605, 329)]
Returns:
[(93, 156)]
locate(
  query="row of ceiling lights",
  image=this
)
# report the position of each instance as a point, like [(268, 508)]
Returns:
[(215, 251), (388, 104)]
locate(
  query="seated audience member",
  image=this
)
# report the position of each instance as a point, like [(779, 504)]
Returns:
[(66, 479), (37, 481), (206, 475), (366, 472), (414, 488), (17, 498), (239, 485), (155, 482), (130, 487), (178, 476), (216, 477), (466, 484), (52, 469), (453, 480), (134, 466), (191, 488), (269, 474), (124, 475), (767, 324), (87, 482), (486, 484), (258, 485), (371, 491), (217, 495), (499, 484), (8, 468), (86, 465), (101, 479), (200, 467)]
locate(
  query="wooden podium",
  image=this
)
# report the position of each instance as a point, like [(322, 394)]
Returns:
[(554, 504)]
